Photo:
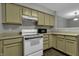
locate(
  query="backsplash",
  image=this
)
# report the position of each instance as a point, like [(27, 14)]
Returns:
[(73, 29)]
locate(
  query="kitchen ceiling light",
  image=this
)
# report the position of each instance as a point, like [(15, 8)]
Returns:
[(76, 16), (75, 19)]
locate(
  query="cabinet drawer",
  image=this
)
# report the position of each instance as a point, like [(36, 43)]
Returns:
[(9, 41), (45, 39), (45, 42), (60, 36), (45, 36), (70, 37)]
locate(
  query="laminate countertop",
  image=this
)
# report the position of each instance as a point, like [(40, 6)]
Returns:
[(63, 33), (10, 35)]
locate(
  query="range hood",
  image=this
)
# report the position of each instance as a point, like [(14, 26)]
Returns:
[(30, 18)]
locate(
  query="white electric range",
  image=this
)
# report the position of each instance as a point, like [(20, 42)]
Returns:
[(33, 42)]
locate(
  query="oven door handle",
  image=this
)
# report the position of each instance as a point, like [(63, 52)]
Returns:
[(33, 38)]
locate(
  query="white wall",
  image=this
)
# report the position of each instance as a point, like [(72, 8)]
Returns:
[(38, 7), (60, 22), (72, 23)]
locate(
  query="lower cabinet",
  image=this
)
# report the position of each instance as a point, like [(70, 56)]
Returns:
[(64, 43), (71, 47), (61, 44), (54, 41), (13, 49), (1, 48), (45, 45), (50, 41)]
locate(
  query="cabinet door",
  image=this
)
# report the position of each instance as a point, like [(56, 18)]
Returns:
[(13, 13), (61, 44), (71, 47), (47, 20), (34, 13), (40, 18), (50, 41), (52, 20), (13, 49), (54, 39), (27, 12), (0, 48), (45, 45)]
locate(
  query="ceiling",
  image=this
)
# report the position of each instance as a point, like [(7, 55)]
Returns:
[(65, 10)]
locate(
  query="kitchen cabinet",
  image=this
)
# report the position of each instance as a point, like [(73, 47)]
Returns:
[(45, 45), (12, 47), (45, 41), (50, 41), (71, 45), (27, 11), (1, 48), (11, 13), (34, 13), (41, 18), (47, 20), (61, 43), (54, 41), (52, 20)]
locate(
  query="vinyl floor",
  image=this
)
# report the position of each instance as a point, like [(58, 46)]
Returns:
[(53, 52)]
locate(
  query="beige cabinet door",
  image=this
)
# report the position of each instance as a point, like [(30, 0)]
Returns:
[(12, 13), (27, 11), (45, 45), (47, 20), (61, 44), (0, 48), (54, 40), (52, 20), (13, 49), (50, 41), (71, 47), (34, 13), (40, 18)]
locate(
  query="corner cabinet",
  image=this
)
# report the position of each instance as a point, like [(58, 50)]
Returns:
[(11, 13)]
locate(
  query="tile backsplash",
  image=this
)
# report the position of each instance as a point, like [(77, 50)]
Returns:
[(72, 29)]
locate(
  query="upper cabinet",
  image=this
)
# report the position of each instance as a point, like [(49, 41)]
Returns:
[(34, 13), (47, 20), (40, 18), (52, 20), (11, 13), (27, 11)]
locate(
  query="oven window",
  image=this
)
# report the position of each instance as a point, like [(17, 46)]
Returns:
[(34, 42)]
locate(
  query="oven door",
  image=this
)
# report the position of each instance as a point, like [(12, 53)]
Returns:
[(32, 45)]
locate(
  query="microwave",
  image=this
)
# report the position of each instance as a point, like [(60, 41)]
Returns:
[(42, 30)]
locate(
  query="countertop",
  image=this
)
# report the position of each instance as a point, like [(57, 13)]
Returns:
[(10, 35), (63, 33)]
